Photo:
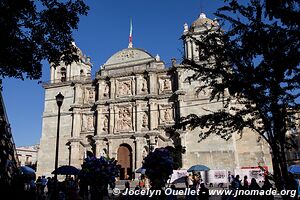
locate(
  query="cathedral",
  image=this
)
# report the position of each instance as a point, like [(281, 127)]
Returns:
[(124, 112)]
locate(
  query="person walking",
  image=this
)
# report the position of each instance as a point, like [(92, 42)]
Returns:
[(266, 187), (245, 182), (254, 187), (203, 192)]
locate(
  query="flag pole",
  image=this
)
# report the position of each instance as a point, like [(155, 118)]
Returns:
[(130, 35)]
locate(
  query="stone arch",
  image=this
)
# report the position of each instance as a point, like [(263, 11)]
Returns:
[(124, 157)]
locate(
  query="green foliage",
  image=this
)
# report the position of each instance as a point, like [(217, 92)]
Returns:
[(253, 68), (32, 31)]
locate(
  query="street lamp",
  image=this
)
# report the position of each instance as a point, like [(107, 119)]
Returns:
[(59, 102), (148, 142)]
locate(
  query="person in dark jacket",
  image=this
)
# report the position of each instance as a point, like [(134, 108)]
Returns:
[(266, 187), (203, 192), (254, 187)]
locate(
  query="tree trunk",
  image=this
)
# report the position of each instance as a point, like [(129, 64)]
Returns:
[(276, 167)]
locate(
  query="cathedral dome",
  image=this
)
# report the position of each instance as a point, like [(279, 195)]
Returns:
[(203, 21), (127, 57)]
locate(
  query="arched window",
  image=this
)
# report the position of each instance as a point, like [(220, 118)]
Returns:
[(63, 73)]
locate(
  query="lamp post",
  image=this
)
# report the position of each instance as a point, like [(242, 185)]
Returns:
[(148, 142), (59, 102)]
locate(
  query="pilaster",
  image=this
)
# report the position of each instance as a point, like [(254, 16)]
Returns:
[(76, 124), (152, 83), (75, 154)]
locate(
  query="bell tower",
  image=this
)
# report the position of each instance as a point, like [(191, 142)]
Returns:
[(76, 71), (193, 33)]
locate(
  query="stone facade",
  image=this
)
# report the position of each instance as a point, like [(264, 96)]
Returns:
[(27, 155), (124, 111)]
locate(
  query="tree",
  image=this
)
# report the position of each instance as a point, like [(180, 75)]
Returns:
[(32, 31), (253, 67)]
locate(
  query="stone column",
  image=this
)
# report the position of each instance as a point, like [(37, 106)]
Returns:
[(179, 78), (98, 148), (100, 119), (76, 124), (189, 50), (52, 74), (100, 89), (139, 79), (75, 154), (68, 74), (112, 90), (152, 83), (185, 49), (112, 122), (153, 115), (78, 94), (139, 116), (139, 147)]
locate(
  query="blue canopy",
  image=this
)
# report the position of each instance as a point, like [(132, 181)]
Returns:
[(140, 170), (67, 170), (294, 169), (28, 172), (198, 168)]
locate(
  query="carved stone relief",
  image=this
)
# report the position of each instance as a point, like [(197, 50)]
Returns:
[(127, 55), (88, 123), (124, 88), (124, 119)]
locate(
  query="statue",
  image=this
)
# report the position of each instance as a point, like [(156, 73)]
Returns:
[(145, 120), (91, 95), (144, 85), (166, 85), (105, 123), (106, 90), (167, 116)]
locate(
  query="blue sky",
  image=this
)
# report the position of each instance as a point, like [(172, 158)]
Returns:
[(157, 27)]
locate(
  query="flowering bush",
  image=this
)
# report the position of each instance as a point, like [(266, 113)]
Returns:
[(99, 172), (159, 166)]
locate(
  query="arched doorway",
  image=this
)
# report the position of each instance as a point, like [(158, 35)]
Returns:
[(125, 161)]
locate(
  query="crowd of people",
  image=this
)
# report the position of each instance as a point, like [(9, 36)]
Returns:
[(240, 186), (43, 188)]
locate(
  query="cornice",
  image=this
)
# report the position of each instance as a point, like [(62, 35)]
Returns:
[(67, 83), (55, 114), (131, 73), (126, 135), (134, 98)]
